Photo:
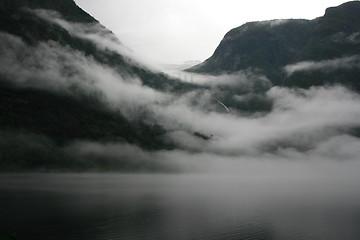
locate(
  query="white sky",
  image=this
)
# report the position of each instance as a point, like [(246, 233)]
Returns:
[(173, 31)]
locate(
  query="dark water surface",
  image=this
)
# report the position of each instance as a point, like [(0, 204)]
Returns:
[(126, 206)]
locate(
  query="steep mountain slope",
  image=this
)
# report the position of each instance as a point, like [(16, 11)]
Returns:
[(272, 45), (68, 9), (335, 35), (333, 51), (52, 63), (72, 97), (264, 45), (19, 17)]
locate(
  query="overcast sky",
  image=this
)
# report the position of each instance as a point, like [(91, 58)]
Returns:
[(173, 31)]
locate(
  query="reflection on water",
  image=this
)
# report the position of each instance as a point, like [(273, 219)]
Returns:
[(104, 207)]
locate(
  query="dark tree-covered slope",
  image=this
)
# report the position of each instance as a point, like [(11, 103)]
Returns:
[(271, 45), (57, 118), (17, 20)]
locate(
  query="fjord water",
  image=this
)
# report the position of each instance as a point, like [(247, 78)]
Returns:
[(178, 206)]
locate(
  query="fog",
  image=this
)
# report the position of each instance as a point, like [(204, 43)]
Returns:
[(274, 23), (325, 65), (307, 132), (56, 68)]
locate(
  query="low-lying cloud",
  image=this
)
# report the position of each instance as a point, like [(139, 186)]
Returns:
[(274, 23), (243, 79), (314, 125), (325, 65), (301, 119), (53, 67), (341, 37), (103, 38), (93, 31)]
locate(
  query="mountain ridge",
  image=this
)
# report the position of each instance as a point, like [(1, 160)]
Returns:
[(271, 45), (72, 99), (68, 8), (33, 107)]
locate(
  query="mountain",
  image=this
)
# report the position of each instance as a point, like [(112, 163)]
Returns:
[(53, 57), (280, 49), (16, 19), (74, 98), (68, 9), (264, 45)]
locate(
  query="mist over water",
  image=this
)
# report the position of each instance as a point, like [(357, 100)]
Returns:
[(185, 206), (287, 173)]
